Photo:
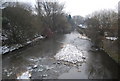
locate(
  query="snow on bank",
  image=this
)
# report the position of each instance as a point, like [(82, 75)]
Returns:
[(40, 37), (5, 49), (82, 26), (69, 53), (112, 38), (83, 37), (3, 37)]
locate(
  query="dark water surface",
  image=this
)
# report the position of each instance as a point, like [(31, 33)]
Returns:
[(39, 62)]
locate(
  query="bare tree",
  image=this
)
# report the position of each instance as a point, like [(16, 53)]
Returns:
[(17, 23), (100, 22), (51, 14)]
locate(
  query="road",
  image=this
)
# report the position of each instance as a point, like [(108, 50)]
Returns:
[(68, 56)]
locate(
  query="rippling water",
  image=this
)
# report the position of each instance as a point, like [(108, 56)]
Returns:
[(66, 56)]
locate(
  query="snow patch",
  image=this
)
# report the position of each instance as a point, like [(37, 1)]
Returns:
[(25, 75), (5, 49), (40, 37), (82, 26), (69, 53), (83, 37), (3, 37), (112, 38), (28, 42)]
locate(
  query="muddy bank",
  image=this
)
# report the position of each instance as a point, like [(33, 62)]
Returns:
[(111, 48), (106, 45)]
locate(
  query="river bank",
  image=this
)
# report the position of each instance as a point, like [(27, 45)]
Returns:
[(107, 44), (16, 47), (47, 60), (111, 48)]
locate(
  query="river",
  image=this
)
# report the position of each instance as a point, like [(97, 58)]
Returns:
[(68, 56)]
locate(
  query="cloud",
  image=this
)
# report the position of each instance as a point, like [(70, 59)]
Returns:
[(84, 7)]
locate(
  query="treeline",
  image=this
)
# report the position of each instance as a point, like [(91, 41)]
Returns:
[(102, 24), (102, 28), (21, 22)]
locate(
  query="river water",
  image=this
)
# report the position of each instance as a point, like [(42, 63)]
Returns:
[(67, 56)]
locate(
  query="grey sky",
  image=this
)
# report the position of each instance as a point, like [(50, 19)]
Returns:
[(83, 7)]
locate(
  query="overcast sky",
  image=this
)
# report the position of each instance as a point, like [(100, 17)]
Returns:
[(84, 7)]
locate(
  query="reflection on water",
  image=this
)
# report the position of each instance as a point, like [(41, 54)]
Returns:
[(38, 62), (100, 66), (74, 73)]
